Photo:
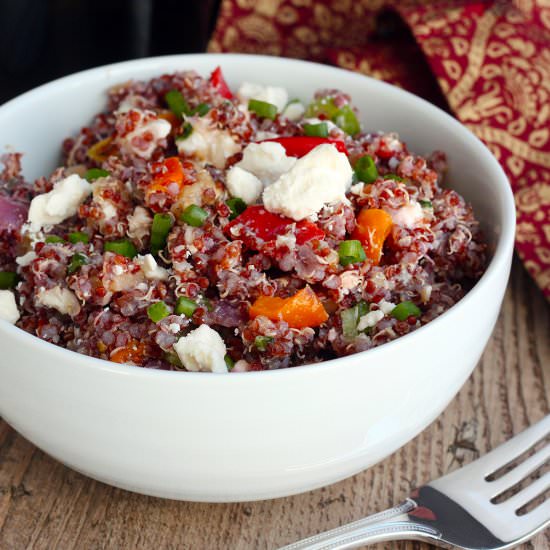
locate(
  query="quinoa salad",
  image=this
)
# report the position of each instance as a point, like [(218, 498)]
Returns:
[(195, 227)]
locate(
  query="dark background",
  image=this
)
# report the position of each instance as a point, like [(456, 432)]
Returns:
[(44, 39)]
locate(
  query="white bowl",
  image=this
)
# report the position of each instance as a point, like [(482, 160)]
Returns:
[(258, 435)]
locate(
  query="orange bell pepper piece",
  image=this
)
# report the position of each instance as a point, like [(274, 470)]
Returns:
[(373, 227), (304, 309), (133, 352), (165, 173)]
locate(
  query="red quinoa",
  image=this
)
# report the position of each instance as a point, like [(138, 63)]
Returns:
[(223, 269)]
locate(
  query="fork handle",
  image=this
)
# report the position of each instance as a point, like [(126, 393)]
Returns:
[(392, 524)]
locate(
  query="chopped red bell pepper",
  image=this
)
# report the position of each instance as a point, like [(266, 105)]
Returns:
[(218, 81), (298, 146), (258, 223)]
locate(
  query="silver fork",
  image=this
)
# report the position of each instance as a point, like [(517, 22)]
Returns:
[(456, 510)]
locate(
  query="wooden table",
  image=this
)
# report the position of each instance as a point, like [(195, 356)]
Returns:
[(45, 505)]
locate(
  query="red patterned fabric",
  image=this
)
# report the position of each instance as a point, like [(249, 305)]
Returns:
[(487, 62)]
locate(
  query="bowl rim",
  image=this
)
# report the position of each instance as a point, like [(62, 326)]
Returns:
[(499, 261)]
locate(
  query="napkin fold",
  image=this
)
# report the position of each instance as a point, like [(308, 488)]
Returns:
[(488, 63)]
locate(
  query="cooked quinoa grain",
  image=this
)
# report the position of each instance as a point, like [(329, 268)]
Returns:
[(192, 227)]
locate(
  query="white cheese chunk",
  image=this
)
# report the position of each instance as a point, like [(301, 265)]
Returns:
[(241, 366), (370, 319), (261, 135), (131, 101), (408, 215), (318, 178), (139, 223), (157, 128), (426, 293), (8, 307), (202, 350), (151, 269), (386, 307), (59, 298), (243, 184), (60, 203), (294, 111), (174, 328), (267, 161), (107, 208), (26, 259), (270, 94), (208, 143)]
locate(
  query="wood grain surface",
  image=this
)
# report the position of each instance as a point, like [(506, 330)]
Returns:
[(45, 505)]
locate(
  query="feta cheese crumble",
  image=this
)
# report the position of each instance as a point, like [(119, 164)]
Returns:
[(60, 203), (151, 269), (107, 207), (370, 319), (294, 111), (61, 299), (386, 307), (267, 161), (244, 184), (26, 259), (318, 178), (270, 94), (202, 350), (408, 215), (208, 143), (8, 307), (148, 136), (139, 223)]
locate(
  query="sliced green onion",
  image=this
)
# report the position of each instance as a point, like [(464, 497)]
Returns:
[(186, 131), (237, 206), (95, 173), (124, 247), (349, 322), (316, 130), (53, 239), (345, 118), (158, 311), (173, 358), (350, 318), (362, 309), (229, 362), (185, 306), (177, 103), (77, 261), (393, 177), (261, 342), (262, 108), (8, 279), (365, 169), (426, 204), (324, 106), (79, 237), (201, 109), (351, 252), (404, 310), (194, 215), (162, 223)]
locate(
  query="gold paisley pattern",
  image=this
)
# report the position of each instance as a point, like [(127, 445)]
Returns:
[(491, 61)]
